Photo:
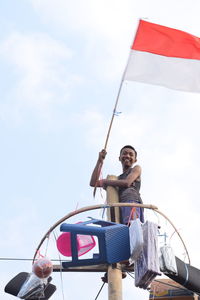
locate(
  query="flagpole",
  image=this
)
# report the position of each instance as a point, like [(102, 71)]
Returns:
[(112, 119), (111, 122), (118, 94), (116, 103), (113, 115)]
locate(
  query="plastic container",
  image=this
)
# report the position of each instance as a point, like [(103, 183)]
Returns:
[(85, 243)]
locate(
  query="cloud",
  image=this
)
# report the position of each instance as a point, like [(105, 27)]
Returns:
[(98, 26), (41, 76), (95, 125), (105, 29), (88, 17), (40, 83), (163, 126)]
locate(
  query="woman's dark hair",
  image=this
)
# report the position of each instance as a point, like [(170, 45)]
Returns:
[(131, 147)]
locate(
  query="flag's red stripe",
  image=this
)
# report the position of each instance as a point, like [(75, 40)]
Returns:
[(166, 41)]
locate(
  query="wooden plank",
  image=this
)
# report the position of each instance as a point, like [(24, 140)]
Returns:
[(94, 268)]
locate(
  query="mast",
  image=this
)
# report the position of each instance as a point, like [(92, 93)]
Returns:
[(114, 271)]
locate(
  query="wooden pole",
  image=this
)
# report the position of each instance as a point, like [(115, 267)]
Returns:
[(114, 270)]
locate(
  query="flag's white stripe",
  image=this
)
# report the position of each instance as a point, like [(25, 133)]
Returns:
[(176, 73)]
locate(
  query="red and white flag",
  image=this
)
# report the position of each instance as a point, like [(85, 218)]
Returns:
[(165, 56)]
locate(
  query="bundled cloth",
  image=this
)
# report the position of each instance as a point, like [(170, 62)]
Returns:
[(147, 264), (167, 260)]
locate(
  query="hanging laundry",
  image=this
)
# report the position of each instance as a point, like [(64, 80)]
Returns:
[(147, 265)]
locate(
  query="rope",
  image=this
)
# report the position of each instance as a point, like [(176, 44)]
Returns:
[(99, 291), (98, 174), (104, 209), (47, 246), (61, 277), (131, 275)]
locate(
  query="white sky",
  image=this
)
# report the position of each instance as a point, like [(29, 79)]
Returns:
[(61, 64)]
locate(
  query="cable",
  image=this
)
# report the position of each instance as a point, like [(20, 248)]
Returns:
[(130, 275), (25, 259), (61, 277), (99, 291), (16, 259), (47, 244)]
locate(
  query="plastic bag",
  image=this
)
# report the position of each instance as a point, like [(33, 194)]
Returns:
[(136, 239), (167, 260), (42, 267), (37, 281), (33, 287)]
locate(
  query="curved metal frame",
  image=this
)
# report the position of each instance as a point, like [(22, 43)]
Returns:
[(100, 206)]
